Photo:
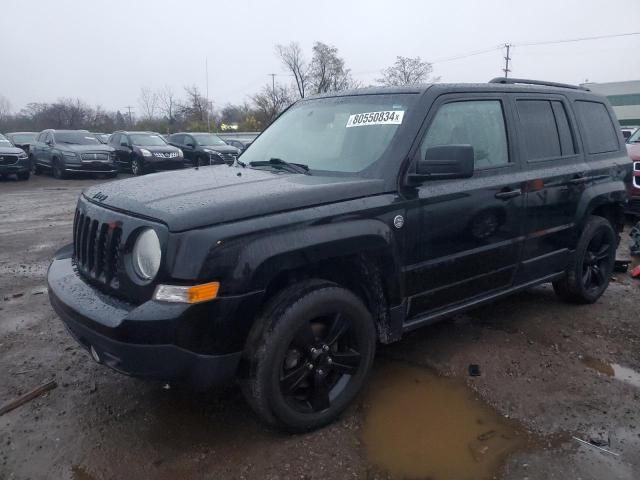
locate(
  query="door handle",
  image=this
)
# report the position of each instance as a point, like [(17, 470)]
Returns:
[(507, 194)]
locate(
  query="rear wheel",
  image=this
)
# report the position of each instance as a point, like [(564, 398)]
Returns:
[(58, 170), (588, 274), (308, 355)]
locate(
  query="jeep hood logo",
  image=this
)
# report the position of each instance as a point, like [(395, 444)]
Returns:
[(100, 197)]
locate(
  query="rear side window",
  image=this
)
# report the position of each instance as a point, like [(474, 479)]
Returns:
[(539, 131), (479, 123), (599, 131)]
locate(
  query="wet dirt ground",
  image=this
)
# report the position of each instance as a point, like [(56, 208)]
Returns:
[(548, 372)]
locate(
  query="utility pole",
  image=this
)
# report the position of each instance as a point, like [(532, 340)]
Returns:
[(273, 82), (129, 107), (507, 58)]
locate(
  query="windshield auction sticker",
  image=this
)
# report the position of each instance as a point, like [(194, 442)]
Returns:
[(391, 117)]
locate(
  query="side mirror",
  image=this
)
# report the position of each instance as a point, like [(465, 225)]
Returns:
[(124, 144), (445, 162), (49, 143), (189, 145)]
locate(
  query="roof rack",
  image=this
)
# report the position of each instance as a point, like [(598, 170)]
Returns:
[(511, 81)]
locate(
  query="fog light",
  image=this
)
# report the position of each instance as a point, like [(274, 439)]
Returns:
[(183, 294)]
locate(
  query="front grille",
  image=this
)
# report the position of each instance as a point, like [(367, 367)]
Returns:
[(100, 156), (96, 249), (165, 154), (8, 159)]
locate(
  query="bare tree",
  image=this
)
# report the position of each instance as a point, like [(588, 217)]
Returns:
[(270, 102), (407, 71), (327, 72), (5, 108), (196, 106), (167, 103), (293, 59), (148, 101)]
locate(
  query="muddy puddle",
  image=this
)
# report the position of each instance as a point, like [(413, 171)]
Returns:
[(619, 372), (421, 425)]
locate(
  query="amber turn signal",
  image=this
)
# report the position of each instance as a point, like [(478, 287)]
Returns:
[(185, 294)]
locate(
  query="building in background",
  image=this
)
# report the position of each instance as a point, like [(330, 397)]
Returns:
[(624, 97)]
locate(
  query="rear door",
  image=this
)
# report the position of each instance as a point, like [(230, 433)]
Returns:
[(463, 236), (555, 170)]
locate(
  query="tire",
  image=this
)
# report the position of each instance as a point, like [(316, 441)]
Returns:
[(199, 162), (136, 167), (58, 170), (308, 355), (37, 169), (24, 175), (588, 274)]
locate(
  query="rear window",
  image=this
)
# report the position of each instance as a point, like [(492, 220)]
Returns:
[(598, 129)]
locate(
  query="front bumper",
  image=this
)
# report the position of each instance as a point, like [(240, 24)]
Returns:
[(138, 340), (22, 165), (91, 167)]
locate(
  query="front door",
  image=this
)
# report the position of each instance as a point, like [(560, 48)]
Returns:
[(464, 236)]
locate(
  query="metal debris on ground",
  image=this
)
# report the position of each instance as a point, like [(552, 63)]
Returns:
[(621, 266), (634, 233), (474, 370), (595, 446), (21, 400)]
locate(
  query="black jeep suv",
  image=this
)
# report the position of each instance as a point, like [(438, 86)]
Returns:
[(72, 151), (204, 148), (353, 218), (144, 152), (13, 160)]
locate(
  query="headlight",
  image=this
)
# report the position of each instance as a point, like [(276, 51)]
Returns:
[(22, 155), (180, 153), (147, 254), (70, 154), (145, 152)]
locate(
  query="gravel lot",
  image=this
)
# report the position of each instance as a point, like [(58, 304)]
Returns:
[(548, 372)]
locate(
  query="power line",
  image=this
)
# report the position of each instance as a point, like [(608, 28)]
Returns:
[(570, 40), (466, 55)]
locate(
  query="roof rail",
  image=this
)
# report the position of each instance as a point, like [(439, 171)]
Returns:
[(524, 81)]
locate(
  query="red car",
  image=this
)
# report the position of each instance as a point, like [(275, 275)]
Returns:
[(633, 147)]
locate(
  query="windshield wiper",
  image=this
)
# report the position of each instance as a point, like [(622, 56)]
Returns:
[(279, 163)]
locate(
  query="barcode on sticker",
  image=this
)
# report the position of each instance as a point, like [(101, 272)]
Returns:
[(391, 117)]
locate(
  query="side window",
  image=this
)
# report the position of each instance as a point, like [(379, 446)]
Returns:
[(597, 127), (188, 139), (48, 137), (176, 139), (115, 140), (567, 145), (538, 129), (479, 123)]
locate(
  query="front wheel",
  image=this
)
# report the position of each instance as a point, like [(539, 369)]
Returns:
[(58, 170), (136, 167), (588, 274), (308, 355), (24, 175)]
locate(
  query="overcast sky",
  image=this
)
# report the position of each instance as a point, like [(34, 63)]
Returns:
[(104, 51)]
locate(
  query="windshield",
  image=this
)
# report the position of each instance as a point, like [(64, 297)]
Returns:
[(635, 138), (207, 139), (147, 139), (340, 134), (24, 137), (4, 142), (76, 138)]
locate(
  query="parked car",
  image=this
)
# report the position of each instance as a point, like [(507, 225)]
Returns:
[(239, 144), (23, 140), (354, 218), (103, 137), (204, 148), (144, 152), (633, 186), (13, 160), (72, 151), (628, 131)]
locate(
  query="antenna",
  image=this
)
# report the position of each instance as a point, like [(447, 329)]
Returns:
[(206, 72)]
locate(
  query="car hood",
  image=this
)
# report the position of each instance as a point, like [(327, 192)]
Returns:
[(11, 150), (221, 148), (98, 147), (187, 199), (634, 151), (158, 148)]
